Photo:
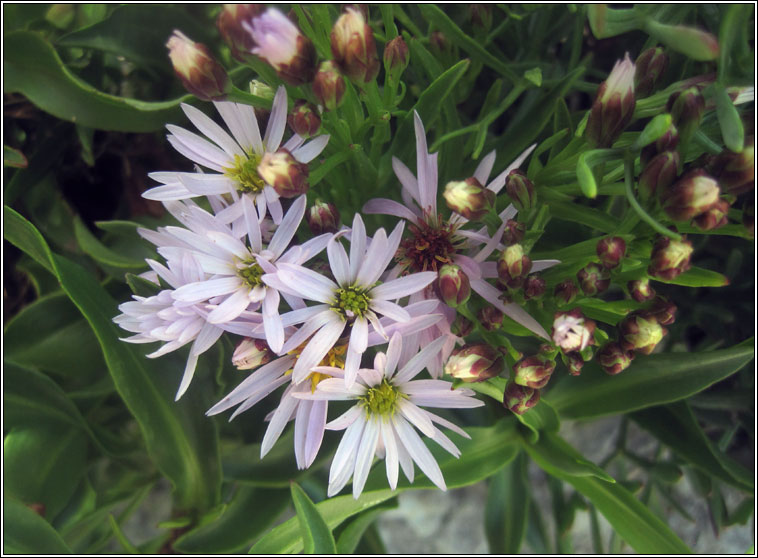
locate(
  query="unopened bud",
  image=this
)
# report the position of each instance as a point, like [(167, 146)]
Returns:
[(490, 317), (735, 171), (693, 193), (667, 142), (686, 109), (521, 190), (547, 351), (574, 362), (613, 358), (323, 217), (572, 331), (251, 353), (519, 399), (353, 47), (461, 326), (329, 85), (640, 332), (229, 24), (534, 287), (200, 73), (513, 232), (533, 372), (513, 266), (453, 285), (475, 363), (649, 67), (396, 58), (566, 291), (658, 174), (641, 289), (481, 16), (663, 310), (714, 217), (440, 45), (304, 119), (469, 198), (284, 173), (611, 250), (614, 105), (593, 279), (691, 41), (669, 258)]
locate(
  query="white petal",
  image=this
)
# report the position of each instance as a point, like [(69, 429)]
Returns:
[(317, 348), (391, 455), (278, 422), (203, 151), (345, 419), (343, 463), (311, 150), (406, 178), (212, 131), (252, 224), (404, 286), (288, 227), (497, 183), (189, 372), (315, 433), (252, 384), (391, 310), (513, 311), (365, 456), (231, 308), (357, 246), (306, 283), (542, 265), (393, 354), (338, 261), (277, 120), (241, 121), (416, 416), (371, 266), (418, 362), (418, 451), (272, 322), (389, 207), (203, 290), (483, 170)]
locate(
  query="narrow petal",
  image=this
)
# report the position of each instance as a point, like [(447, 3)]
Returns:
[(280, 419), (406, 178), (288, 227), (189, 372), (365, 456), (418, 362), (416, 417), (391, 453), (483, 170), (357, 246), (404, 286), (338, 261), (343, 463), (370, 268), (203, 290), (393, 354), (202, 148), (311, 150), (498, 182), (317, 348), (306, 283), (418, 451), (212, 131), (513, 311), (272, 322), (253, 224), (241, 121), (231, 308), (542, 265), (251, 384), (345, 419), (384, 206), (391, 310), (277, 120)]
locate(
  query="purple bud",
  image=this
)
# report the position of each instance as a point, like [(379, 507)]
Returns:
[(641, 290), (693, 194), (519, 399), (593, 279), (200, 73), (284, 173), (475, 363), (353, 47), (614, 105), (658, 174), (534, 287), (574, 363), (453, 285), (513, 232), (611, 250), (490, 317), (669, 258), (513, 266), (566, 291), (613, 359), (469, 198), (533, 372), (329, 85), (396, 57), (521, 190), (304, 119), (323, 217), (667, 142), (650, 66)]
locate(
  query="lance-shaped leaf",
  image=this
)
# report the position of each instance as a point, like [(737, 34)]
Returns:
[(316, 535)]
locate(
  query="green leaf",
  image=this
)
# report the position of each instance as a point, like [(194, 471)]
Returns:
[(22, 234), (25, 532), (550, 451), (351, 535), (433, 96), (538, 418), (317, 537), (508, 503), (697, 277), (649, 381), (33, 68), (121, 538), (14, 158), (92, 246), (583, 215), (729, 119), (676, 426)]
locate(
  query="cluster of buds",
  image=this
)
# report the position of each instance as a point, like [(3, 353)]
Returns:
[(533, 371), (199, 72), (323, 217), (641, 290), (513, 266), (353, 47), (469, 198), (328, 85), (613, 358), (284, 173), (694, 193), (669, 258), (593, 279), (614, 105), (475, 363), (640, 331), (566, 292), (650, 66), (251, 353), (521, 190), (735, 171), (611, 251), (490, 317), (572, 332), (519, 399), (453, 285)]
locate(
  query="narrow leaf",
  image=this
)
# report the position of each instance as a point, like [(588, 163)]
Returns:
[(317, 537), (25, 532), (507, 511)]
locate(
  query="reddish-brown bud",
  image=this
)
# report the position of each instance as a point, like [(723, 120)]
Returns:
[(323, 217), (613, 358), (534, 287), (611, 250), (572, 331), (640, 332), (353, 47), (614, 105), (574, 362), (513, 232), (686, 109), (475, 363), (658, 174), (469, 198), (650, 65), (566, 291), (304, 119), (329, 85), (284, 173), (396, 58), (663, 310), (692, 194), (513, 266), (714, 217), (200, 73), (461, 326), (521, 190), (251, 353), (440, 45), (641, 289), (519, 399), (667, 142), (490, 317), (230, 25), (736, 171), (533, 372), (453, 285), (669, 258), (593, 279)]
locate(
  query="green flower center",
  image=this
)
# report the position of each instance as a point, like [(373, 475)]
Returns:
[(245, 173), (381, 400), (351, 301), (251, 274)]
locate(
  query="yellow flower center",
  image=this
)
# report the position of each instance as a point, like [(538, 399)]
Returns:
[(351, 301), (382, 400), (251, 274), (245, 173)]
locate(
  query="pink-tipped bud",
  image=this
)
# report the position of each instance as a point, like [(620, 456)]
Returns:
[(251, 353), (284, 173), (200, 73), (534, 287), (323, 217), (663, 310), (714, 217), (686, 109), (513, 232), (475, 363), (453, 285), (566, 291), (521, 190), (304, 119), (693, 194), (669, 258), (519, 399), (613, 358), (614, 105), (461, 326), (611, 250), (593, 279), (469, 198), (641, 289), (229, 24), (396, 58), (574, 362), (658, 174), (640, 332), (572, 331), (736, 171), (490, 317), (513, 266), (533, 372), (329, 85), (280, 43), (353, 47), (649, 67)]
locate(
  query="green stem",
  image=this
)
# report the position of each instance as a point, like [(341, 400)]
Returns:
[(239, 96), (629, 181)]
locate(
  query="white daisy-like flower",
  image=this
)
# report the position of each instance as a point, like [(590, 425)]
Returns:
[(234, 158), (388, 407), (352, 302)]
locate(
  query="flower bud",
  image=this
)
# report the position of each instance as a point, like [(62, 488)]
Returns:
[(519, 399), (574, 362), (714, 217), (461, 326), (572, 331), (658, 174), (669, 258), (280, 43), (475, 363), (533, 372), (610, 250), (686, 109), (667, 142), (641, 290), (513, 232), (566, 291), (736, 171), (323, 217), (490, 317), (534, 287), (396, 58), (640, 332), (440, 46), (353, 47), (453, 285), (663, 310), (304, 119), (230, 25), (200, 73), (329, 85), (468, 198), (284, 173), (521, 190), (649, 67), (481, 16), (613, 106), (693, 193), (547, 351), (613, 359), (593, 279), (513, 266), (251, 353)]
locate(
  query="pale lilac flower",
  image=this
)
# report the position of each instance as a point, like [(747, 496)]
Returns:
[(571, 331), (276, 37), (353, 301), (388, 407), (233, 159)]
